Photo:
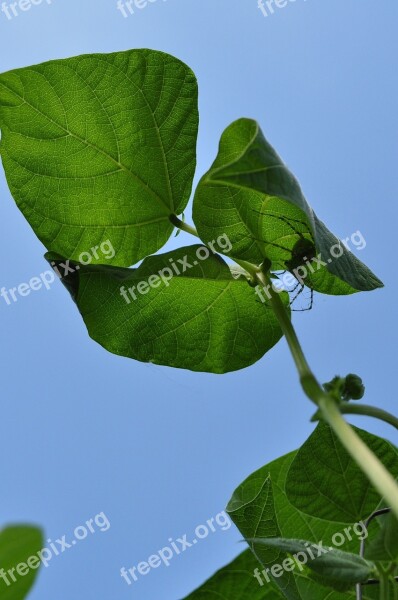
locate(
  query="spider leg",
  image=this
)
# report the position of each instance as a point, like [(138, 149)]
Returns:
[(269, 243), (295, 287), (308, 307), (288, 222), (298, 293)]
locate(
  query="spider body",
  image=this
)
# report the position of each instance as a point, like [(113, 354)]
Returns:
[(301, 255), (303, 251)]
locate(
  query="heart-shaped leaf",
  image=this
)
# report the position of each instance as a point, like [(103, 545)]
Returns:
[(101, 148), (179, 309), (250, 194)]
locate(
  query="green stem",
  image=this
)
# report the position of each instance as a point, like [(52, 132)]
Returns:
[(183, 226), (351, 408), (249, 267), (307, 378), (367, 461)]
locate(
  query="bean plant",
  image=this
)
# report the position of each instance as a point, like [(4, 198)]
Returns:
[(101, 149)]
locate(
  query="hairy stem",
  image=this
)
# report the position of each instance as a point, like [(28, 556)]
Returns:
[(367, 461)]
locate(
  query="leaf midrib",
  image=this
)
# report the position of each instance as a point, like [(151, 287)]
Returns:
[(89, 144)]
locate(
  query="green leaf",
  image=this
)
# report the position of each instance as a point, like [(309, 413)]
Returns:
[(250, 194), (332, 564), (237, 581), (325, 482), (243, 579), (245, 509), (385, 546), (261, 507), (19, 563), (201, 319), (101, 148)]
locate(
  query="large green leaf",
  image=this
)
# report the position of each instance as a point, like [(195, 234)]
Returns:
[(325, 482), (101, 147), (262, 501), (19, 562), (201, 319), (250, 194), (237, 581)]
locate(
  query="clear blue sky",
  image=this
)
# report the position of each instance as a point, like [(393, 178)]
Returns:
[(160, 451)]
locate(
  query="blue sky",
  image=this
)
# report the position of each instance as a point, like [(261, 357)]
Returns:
[(160, 451)]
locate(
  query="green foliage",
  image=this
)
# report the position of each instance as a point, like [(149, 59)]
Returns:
[(245, 191), (102, 149), (158, 326), (302, 496), (17, 545), (236, 581), (268, 516), (324, 481)]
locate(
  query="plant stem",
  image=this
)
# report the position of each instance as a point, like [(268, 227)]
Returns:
[(367, 461), (351, 408), (249, 267), (306, 376), (183, 226)]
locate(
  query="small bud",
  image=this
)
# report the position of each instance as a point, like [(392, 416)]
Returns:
[(354, 388)]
